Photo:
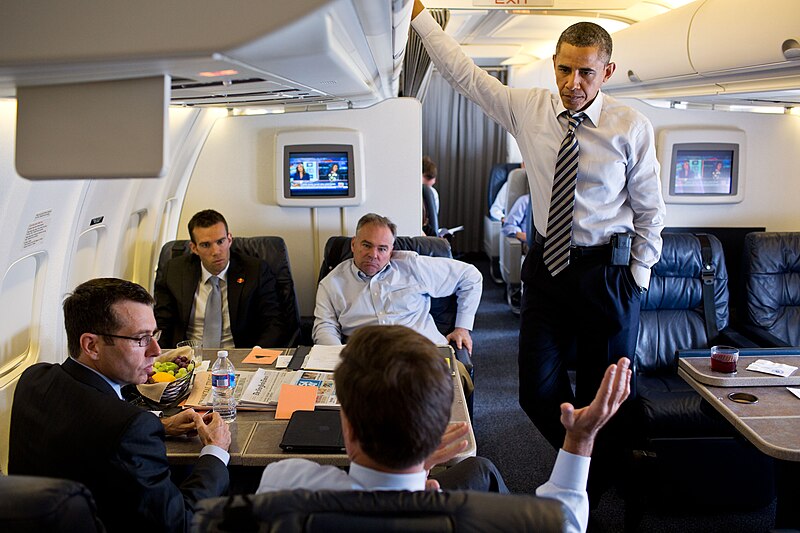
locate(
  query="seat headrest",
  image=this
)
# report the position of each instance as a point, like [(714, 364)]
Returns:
[(772, 283), (672, 315), (386, 511)]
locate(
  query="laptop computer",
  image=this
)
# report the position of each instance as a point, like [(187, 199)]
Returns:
[(314, 432)]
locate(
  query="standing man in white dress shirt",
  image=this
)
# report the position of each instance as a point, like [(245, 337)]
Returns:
[(590, 307)]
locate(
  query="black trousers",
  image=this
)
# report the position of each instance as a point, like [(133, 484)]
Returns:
[(473, 473), (589, 314)]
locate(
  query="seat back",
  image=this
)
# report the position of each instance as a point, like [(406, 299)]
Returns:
[(430, 222), (511, 248), (672, 314), (443, 310), (385, 511), (497, 177), (772, 284), (273, 251), (34, 504), (517, 186)]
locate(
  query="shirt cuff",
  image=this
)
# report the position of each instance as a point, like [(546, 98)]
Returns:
[(641, 274), (464, 320), (571, 471), (422, 23), (217, 452)]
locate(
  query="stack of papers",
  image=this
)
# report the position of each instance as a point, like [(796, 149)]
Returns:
[(323, 358), (770, 367)]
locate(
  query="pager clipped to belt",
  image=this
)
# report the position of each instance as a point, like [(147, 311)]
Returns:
[(621, 248)]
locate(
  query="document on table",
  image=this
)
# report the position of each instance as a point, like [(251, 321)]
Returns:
[(323, 357), (770, 367)]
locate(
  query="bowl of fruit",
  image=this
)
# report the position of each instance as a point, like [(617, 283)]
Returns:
[(172, 377)]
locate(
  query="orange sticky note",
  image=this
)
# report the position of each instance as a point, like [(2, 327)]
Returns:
[(262, 356), (295, 398)]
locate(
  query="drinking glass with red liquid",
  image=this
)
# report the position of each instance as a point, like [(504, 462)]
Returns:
[(724, 358)]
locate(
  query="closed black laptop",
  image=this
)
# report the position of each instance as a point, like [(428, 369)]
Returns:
[(314, 432)]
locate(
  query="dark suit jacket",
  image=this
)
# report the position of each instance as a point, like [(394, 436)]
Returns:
[(252, 303), (67, 422)]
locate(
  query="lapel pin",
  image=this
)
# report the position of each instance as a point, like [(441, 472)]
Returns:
[(240, 280)]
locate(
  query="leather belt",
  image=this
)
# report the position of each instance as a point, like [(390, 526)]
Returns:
[(575, 252)]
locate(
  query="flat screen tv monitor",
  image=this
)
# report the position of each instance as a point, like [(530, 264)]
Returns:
[(319, 168), (318, 171), (702, 172)]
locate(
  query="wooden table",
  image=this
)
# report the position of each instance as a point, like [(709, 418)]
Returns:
[(772, 424), (255, 435)]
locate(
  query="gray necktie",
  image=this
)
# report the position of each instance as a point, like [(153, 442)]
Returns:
[(212, 322), (562, 201)]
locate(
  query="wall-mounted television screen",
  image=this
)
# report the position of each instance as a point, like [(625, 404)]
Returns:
[(319, 168), (703, 171), (318, 171), (702, 165)]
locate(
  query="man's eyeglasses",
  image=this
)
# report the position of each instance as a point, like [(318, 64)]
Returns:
[(143, 341)]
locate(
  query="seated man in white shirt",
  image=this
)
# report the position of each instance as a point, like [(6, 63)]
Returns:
[(517, 219), (395, 413), (498, 209), (382, 286)]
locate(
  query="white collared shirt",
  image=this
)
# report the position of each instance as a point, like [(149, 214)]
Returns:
[(618, 188), (195, 330), (400, 294)]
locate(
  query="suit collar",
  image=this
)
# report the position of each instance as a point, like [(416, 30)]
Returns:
[(88, 377)]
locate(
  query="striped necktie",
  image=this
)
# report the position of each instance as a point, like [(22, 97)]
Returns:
[(562, 200)]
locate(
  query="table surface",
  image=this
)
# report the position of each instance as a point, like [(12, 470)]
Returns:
[(255, 435), (772, 424)]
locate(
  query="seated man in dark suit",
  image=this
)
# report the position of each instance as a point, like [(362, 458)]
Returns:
[(69, 420), (396, 394), (222, 298)]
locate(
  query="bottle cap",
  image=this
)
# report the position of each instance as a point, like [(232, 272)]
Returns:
[(222, 353)]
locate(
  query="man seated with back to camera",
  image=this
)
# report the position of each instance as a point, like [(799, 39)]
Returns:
[(69, 420), (396, 394), (246, 302), (383, 286)]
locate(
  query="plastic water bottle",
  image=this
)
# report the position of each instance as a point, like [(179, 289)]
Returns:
[(223, 382)]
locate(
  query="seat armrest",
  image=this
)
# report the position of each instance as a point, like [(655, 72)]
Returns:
[(761, 336), (510, 256)]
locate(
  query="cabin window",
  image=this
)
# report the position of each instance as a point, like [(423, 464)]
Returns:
[(19, 297), (85, 264)]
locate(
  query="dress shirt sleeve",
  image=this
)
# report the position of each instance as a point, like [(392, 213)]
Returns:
[(216, 451), (462, 74), (292, 474), (567, 484), (442, 277), (327, 329), (647, 203), (516, 218), (497, 211)]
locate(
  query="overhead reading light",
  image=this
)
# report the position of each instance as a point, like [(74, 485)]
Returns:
[(791, 49), (218, 73)]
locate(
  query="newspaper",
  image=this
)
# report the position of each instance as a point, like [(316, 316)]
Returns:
[(259, 390)]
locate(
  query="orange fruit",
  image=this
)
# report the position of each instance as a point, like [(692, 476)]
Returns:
[(162, 377)]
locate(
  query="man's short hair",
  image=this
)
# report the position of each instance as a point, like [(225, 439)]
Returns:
[(206, 219), (373, 218), (89, 308), (585, 34), (428, 168), (396, 391)]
